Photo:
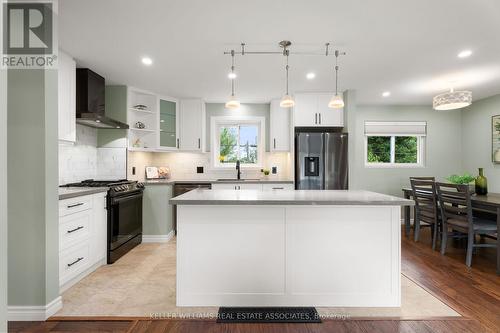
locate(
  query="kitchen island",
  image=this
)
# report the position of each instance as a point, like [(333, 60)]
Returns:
[(288, 248)]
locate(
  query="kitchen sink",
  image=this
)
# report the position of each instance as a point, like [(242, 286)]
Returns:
[(236, 180)]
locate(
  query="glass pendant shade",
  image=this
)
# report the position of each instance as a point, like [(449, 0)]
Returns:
[(287, 101), (232, 103), (336, 102), (452, 100)]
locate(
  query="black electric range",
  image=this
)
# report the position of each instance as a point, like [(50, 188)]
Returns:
[(124, 206)]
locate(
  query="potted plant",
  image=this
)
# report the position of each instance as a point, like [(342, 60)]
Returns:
[(465, 179)]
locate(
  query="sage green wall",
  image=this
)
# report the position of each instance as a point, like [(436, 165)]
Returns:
[(157, 214), (3, 200), (476, 140), (254, 110), (32, 187), (116, 108), (443, 152)]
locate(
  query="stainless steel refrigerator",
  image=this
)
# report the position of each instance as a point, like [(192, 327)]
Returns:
[(321, 161)]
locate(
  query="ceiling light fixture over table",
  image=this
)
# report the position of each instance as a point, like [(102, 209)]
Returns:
[(452, 100), (287, 100)]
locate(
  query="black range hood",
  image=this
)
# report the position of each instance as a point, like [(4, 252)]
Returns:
[(90, 101)]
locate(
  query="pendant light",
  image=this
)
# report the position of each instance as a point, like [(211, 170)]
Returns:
[(233, 102), (452, 100), (287, 100), (336, 102)]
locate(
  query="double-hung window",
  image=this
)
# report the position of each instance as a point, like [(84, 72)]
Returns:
[(395, 144), (237, 139)]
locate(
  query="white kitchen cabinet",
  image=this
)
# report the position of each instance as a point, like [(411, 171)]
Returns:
[(100, 227), (82, 237), (311, 110), (66, 98), (278, 186), (265, 186), (192, 124), (306, 110), (328, 116), (280, 127), (236, 186)]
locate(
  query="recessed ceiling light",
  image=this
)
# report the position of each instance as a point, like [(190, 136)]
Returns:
[(231, 75), (147, 61), (386, 94), (465, 54), (310, 76)]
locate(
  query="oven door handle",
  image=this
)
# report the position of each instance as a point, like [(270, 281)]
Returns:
[(115, 201)]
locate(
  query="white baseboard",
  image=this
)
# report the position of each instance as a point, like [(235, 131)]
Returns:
[(34, 313), (158, 238)]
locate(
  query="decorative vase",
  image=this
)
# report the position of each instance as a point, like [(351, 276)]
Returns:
[(481, 183), (497, 156)]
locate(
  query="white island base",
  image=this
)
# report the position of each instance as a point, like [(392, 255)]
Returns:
[(288, 255)]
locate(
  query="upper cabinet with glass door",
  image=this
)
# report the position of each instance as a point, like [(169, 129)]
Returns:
[(169, 138)]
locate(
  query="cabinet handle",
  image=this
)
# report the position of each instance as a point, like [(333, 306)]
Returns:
[(320, 118), (177, 143), (75, 205), (278, 188), (274, 143), (315, 118), (76, 229), (76, 261), (199, 143)]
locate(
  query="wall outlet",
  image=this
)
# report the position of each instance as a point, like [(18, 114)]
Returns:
[(274, 170), (199, 169)]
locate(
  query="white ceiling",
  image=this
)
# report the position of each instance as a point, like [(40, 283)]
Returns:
[(408, 47)]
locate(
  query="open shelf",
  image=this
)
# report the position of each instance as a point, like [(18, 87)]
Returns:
[(142, 130), (143, 111)]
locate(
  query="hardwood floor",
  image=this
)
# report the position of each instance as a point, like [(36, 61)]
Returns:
[(473, 292)]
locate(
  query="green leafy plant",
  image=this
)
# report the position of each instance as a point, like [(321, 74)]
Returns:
[(466, 178)]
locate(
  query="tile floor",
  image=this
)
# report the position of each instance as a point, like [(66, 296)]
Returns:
[(142, 283)]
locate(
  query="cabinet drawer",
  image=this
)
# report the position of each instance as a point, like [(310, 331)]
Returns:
[(73, 261), (74, 228), (275, 187), (74, 205)]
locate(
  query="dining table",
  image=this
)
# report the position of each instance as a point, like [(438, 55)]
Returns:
[(486, 203)]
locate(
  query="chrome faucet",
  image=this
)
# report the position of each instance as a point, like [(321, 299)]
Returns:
[(238, 167)]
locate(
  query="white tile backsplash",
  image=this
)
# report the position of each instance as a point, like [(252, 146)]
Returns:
[(111, 163), (183, 166), (83, 160)]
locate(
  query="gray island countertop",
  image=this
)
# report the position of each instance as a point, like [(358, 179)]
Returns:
[(301, 197)]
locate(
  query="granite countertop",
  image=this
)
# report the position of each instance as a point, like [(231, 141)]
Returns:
[(215, 181), (73, 192), (283, 197)]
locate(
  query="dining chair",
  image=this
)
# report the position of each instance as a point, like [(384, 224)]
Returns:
[(456, 211), (426, 208)]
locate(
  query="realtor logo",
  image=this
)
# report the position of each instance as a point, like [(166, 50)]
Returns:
[(28, 35)]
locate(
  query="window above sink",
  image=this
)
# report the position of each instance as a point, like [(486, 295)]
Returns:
[(237, 138)]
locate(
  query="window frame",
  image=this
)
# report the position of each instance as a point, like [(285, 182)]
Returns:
[(217, 122), (420, 152)]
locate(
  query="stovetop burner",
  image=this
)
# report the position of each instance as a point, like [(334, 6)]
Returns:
[(116, 187)]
